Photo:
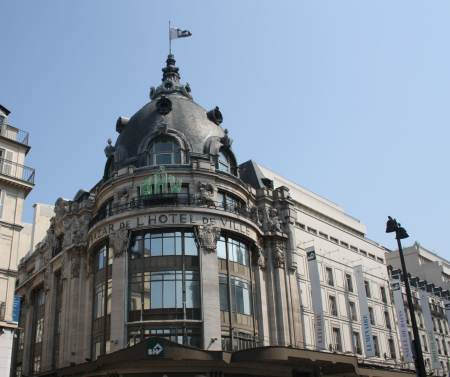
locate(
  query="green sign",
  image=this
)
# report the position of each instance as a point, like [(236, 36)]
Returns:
[(161, 183)]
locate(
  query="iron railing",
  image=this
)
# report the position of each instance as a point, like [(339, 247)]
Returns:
[(15, 170), (14, 133), (170, 200)]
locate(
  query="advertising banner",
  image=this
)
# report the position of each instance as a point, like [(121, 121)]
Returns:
[(405, 342), (428, 322), (364, 312), (316, 296)]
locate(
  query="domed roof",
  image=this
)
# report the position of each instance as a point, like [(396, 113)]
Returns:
[(171, 111)]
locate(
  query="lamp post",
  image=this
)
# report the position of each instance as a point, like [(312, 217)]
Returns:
[(400, 233)]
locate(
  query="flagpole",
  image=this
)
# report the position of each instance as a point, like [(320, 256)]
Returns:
[(170, 41)]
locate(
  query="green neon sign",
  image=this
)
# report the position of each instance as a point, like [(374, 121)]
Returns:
[(161, 183)]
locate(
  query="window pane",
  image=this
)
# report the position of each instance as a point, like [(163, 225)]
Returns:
[(163, 159), (136, 247), (223, 292), (178, 243), (147, 243), (169, 294), (221, 249), (190, 247), (163, 147), (169, 244), (179, 294), (192, 294), (156, 247), (156, 294)]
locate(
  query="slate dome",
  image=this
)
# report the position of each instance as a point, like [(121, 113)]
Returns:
[(171, 111)]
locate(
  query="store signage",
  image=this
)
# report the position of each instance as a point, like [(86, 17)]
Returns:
[(405, 342), (173, 219), (316, 295), (161, 183), (364, 312), (155, 348), (428, 322)]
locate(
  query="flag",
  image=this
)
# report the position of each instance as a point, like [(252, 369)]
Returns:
[(178, 33)]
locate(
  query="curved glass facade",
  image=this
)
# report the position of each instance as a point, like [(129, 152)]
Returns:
[(164, 285)]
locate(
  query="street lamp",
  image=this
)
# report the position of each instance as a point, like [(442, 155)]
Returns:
[(400, 234)]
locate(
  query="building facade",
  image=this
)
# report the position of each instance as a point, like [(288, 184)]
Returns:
[(16, 182), (186, 263), (429, 280)]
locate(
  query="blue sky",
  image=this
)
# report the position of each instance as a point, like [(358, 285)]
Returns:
[(347, 98)]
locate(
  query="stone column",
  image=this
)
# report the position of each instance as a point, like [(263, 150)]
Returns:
[(270, 294), (49, 319), (118, 243), (281, 295), (28, 312), (86, 312), (74, 307), (261, 297), (208, 236)]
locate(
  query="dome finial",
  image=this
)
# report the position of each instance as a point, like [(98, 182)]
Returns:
[(170, 71), (170, 81)]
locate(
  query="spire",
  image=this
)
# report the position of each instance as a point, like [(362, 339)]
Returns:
[(170, 81)]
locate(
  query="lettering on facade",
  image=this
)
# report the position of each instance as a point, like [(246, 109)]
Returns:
[(161, 183), (168, 219)]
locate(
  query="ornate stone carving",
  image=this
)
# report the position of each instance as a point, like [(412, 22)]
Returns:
[(254, 215), (259, 259), (278, 258), (206, 194), (226, 140), (119, 242), (208, 236), (271, 221), (75, 268), (47, 278)]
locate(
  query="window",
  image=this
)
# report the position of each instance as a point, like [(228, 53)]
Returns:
[(363, 252), (37, 364), (371, 316), (333, 306), (353, 313), (312, 230), (229, 202), (329, 273), (353, 248), (367, 287), (337, 342), (335, 240), (424, 342), (39, 330), (240, 295), (344, 244), (376, 346), (223, 162), (438, 346), (349, 282), (357, 343), (387, 319), (383, 294), (371, 256), (444, 346), (323, 235), (392, 348), (237, 251), (420, 320), (439, 325), (163, 244), (164, 151)]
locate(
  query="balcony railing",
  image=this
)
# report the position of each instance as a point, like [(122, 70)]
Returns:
[(169, 200), (12, 169), (14, 133)]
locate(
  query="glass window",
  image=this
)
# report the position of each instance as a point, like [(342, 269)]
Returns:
[(223, 293), (163, 244), (383, 294), (101, 258), (240, 293), (221, 248), (348, 279), (387, 319), (357, 343), (329, 273), (164, 151), (192, 290), (376, 346), (99, 300), (223, 162), (367, 287), (39, 330), (333, 306), (392, 348), (237, 251), (353, 313), (337, 342), (190, 245), (372, 316)]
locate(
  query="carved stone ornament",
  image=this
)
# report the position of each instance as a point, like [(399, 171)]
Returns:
[(75, 265), (278, 255), (206, 194), (47, 278), (119, 242), (208, 236), (271, 221), (226, 140), (259, 259), (109, 149)]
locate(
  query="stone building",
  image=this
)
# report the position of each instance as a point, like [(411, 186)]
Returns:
[(430, 283), (16, 182), (180, 262)]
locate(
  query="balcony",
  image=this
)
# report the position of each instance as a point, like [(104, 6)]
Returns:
[(169, 200), (17, 171), (14, 134)]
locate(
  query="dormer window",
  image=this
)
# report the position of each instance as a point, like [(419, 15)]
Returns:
[(164, 151), (223, 162)]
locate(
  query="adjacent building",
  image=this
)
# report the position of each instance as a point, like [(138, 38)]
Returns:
[(429, 279), (182, 262), (16, 182)]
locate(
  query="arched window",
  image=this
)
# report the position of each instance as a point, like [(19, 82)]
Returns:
[(164, 151), (223, 162)]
